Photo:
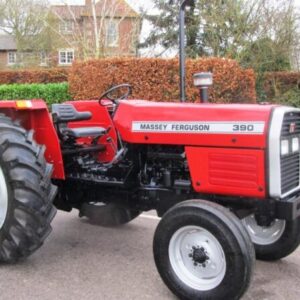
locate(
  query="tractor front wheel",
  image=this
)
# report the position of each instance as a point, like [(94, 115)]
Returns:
[(276, 241), (202, 251), (26, 192)]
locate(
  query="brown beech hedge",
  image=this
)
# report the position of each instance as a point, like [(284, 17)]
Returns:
[(55, 75), (158, 79)]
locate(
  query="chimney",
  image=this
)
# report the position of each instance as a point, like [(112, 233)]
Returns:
[(88, 2)]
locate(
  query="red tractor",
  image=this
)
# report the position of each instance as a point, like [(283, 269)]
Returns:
[(224, 178)]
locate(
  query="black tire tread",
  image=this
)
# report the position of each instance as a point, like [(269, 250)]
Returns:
[(27, 224), (285, 246), (224, 216)]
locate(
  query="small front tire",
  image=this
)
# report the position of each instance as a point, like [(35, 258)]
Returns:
[(202, 251), (276, 241)]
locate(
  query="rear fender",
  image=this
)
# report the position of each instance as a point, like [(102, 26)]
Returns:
[(35, 115)]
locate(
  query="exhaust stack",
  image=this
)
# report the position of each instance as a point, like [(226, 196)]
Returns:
[(203, 81)]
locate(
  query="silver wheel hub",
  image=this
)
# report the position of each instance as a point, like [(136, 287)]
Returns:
[(264, 235), (3, 198), (197, 258)]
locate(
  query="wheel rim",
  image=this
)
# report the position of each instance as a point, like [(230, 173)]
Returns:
[(197, 258), (3, 198), (262, 235)]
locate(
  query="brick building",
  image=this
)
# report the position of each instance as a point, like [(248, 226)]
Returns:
[(75, 32), (8, 51)]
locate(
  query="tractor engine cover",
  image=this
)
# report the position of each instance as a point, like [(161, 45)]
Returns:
[(225, 145)]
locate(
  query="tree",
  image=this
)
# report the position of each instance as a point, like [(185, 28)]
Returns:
[(213, 27), (25, 20), (225, 28), (98, 16)]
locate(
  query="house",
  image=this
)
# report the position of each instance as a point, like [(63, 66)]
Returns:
[(97, 29), (8, 51), (113, 23)]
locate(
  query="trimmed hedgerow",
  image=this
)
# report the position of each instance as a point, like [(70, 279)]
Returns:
[(51, 93), (158, 79), (54, 75)]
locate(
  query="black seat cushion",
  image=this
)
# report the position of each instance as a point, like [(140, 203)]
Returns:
[(84, 132)]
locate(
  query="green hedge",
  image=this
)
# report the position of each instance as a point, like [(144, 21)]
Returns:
[(290, 98), (51, 93)]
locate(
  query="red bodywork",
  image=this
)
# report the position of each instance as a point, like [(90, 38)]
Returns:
[(35, 115), (227, 163)]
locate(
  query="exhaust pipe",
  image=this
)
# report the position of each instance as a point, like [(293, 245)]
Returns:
[(203, 81)]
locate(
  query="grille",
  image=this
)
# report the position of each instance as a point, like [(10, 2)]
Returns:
[(290, 164), (289, 172), (290, 118)]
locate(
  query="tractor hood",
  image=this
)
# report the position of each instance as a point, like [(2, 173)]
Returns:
[(216, 125)]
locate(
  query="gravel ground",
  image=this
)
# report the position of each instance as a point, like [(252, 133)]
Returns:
[(81, 261)]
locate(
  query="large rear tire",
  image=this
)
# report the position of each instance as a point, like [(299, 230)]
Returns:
[(276, 241), (26, 196), (202, 251)]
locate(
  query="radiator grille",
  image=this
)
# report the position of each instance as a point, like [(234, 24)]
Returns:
[(289, 172), (290, 164), (291, 118)]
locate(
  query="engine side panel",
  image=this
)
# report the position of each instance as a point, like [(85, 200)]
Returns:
[(224, 171), (234, 126)]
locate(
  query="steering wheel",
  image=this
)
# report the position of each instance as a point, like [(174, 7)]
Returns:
[(114, 100)]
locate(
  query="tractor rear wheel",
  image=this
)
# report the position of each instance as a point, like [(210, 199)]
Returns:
[(26, 192), (202, 251), (276, 241)]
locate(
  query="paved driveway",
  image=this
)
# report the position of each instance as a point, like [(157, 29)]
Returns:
[(81, 261)]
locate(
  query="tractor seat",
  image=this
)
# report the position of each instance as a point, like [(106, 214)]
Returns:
[(84, 132), (64, 113)]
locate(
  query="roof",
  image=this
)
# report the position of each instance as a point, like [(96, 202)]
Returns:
[(112, 8), (7, 42)]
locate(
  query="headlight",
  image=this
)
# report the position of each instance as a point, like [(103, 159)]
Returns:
[(284, 147), (295, 145)]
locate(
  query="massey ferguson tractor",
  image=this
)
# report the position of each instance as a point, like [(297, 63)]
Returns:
[(224, 178)]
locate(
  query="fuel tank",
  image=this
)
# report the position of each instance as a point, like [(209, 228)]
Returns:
[(210, 125)]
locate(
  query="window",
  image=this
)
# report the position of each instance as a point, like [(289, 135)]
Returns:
[(66, 57), (112, 33), (43, 57), (66, 26), (12, 57)]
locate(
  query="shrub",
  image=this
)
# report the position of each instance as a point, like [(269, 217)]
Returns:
[(158, 79), (55, 75), (51, 93), (290, 98), (277, 84)]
